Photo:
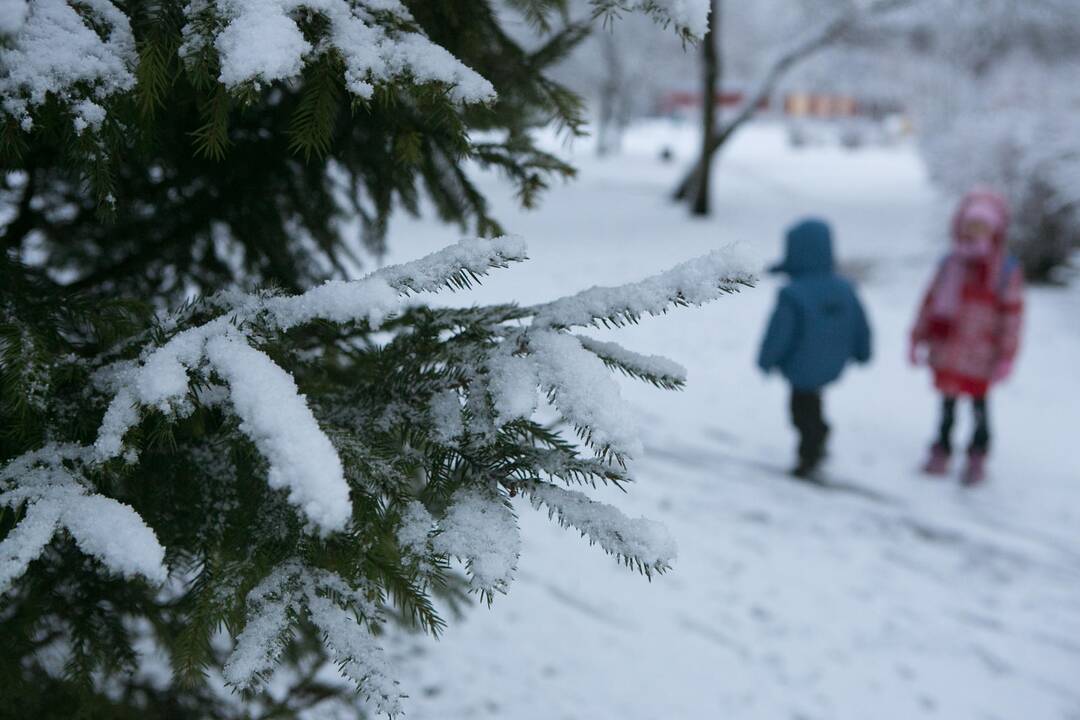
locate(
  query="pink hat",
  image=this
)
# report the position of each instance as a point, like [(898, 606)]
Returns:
[(985, 206)]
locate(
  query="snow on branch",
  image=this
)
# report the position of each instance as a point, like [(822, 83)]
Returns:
[(267, 630), (84, 53), (584, 392), (55, 50), (54, 498), (512, 381), (341, 614), (261, 41), (378, 294), (481, 530), (457, 266), (693, 282), (655, 369), (645, 544), (274, 415), (357, 654), (280, 423)]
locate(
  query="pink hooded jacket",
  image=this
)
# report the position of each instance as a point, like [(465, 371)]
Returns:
[(971, 315)]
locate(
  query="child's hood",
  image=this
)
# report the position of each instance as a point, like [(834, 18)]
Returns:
[(808, 249), (988, 206)]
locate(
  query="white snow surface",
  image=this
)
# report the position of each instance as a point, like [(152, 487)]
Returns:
[(785, 601)]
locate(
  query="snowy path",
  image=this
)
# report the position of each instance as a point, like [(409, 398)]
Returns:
[(915, 600)]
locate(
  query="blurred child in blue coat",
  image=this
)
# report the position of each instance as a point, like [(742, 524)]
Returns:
[(817, 327)]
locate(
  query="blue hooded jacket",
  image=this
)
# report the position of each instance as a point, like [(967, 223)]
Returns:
[(819, 323)]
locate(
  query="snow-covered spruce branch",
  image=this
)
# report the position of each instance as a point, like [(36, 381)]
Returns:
[(654, 369), (450, 397), (272, 412), (53, 48), (46, 484), (693, 282), (344, 617), (639, 543)]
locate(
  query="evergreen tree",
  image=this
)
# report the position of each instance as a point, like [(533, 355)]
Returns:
[(203, 484)]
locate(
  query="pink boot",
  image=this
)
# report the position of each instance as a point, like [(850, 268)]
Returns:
[(938, 462), (975, 472)]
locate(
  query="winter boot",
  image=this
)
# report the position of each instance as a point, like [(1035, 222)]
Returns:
[(975, 471), (938, 462), (808, 469)]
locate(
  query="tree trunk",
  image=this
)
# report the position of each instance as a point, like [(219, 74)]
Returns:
[(611, 90), (710, 80), (830, 33)]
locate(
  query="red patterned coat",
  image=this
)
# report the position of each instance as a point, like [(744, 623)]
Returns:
[(979, 344)]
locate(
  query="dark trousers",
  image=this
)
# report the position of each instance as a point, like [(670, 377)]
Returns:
[(807, 419), (980, 441)]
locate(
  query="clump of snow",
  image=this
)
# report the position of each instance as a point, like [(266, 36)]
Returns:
[(513, 381), (277, 419), (481, 530), (27, 540), (338, 301), (416, 527), (54, 50), (12, 15), (88, 114), (693, 282), (584, 391), (262, 42), (641, 541), (160, 382), (102, 527), (445, 412), (115, 534)]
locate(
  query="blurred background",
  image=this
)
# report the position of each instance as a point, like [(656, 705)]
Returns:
[(899, 596)]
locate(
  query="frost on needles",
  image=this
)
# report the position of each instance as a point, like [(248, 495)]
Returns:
[(381, 438)]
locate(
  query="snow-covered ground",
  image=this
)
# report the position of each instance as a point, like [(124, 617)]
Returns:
[(919, 599)]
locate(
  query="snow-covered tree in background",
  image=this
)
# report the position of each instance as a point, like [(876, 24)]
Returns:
[(1022, 137), (205, 509), (992, 87), (999, 105)]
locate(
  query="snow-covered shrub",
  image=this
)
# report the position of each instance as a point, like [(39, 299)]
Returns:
[(1016, 129), (294, 468)]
